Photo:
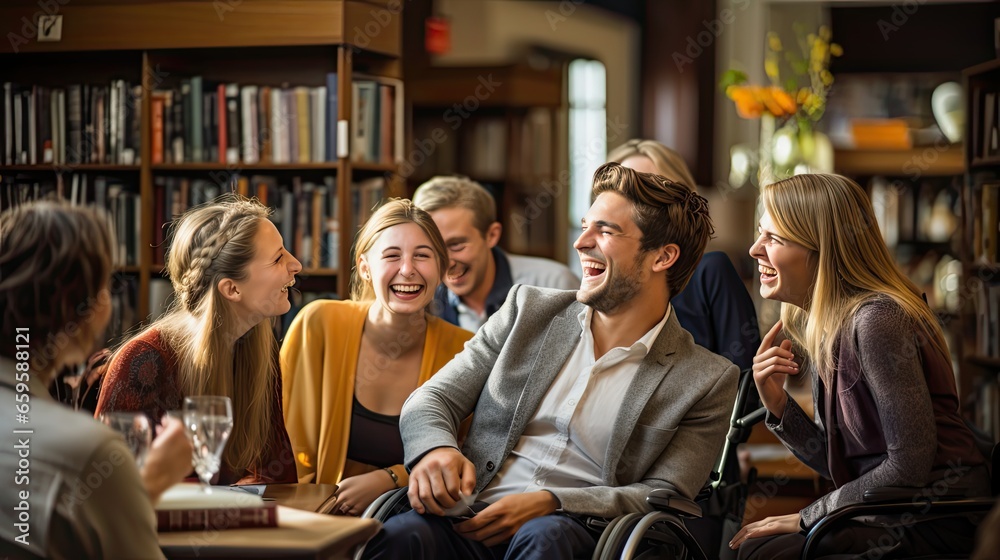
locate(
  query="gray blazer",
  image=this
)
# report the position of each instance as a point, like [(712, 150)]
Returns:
[(667, 434)]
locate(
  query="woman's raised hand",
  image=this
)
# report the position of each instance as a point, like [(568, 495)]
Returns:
[(771, 366)]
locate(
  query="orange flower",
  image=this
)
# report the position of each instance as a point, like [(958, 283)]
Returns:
[(753, 101)]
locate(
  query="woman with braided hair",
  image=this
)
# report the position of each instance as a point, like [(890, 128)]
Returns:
[(230, 273)]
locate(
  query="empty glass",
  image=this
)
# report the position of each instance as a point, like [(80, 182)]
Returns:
[(135, 428), (209, 421)]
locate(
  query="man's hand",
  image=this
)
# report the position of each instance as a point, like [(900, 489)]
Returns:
[(780, 525), (356, 493), (438, 478), (498, 522), (168, 460)]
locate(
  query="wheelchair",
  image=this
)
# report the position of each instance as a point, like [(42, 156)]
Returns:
[(909, 504), (660, 533)]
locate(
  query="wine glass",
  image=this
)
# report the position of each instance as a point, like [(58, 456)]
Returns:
[(135, 428), (208, 420)]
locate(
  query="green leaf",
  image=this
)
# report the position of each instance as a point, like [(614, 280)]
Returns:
[(732, 78)]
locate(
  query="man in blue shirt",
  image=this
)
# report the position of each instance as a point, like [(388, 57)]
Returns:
[(479, 274)]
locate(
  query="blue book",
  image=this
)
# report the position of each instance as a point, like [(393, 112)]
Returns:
[(331, 116)]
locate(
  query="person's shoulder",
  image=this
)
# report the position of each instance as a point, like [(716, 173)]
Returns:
[(323, 310), (68, 439), (149, 345), (881, 313), (534, 293)]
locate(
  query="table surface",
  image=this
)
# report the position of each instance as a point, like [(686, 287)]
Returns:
[(301, 533)]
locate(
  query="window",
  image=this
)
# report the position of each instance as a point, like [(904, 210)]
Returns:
[(588, 145)]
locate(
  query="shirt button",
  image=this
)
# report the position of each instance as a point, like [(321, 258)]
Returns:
[(572, 402), (490, 466)]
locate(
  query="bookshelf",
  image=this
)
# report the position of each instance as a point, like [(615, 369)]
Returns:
[(311, 56), (980, 383), (498, 125)]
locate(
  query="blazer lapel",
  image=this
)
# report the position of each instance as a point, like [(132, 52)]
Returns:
[(559, 340), (652, 370)]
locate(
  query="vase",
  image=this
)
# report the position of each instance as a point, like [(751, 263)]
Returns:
[(793, 149)]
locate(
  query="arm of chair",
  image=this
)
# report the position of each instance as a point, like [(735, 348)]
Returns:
[(908, 507), (667, 500), (905, 494)]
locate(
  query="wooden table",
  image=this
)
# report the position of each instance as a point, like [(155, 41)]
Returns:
[(309, 497), (301, 533)]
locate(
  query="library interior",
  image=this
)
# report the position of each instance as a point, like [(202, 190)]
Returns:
[(420, 176)]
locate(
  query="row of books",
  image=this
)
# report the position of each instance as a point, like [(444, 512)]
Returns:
[(304, 211), (988, 409), (232, 124), (986, 136), (925, 211), (119, 197), (986, 228), (988, 320), (78, 124)]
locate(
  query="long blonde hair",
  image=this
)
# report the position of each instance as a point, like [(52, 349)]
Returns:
[(832, 216), (393, 213), (210, 243)]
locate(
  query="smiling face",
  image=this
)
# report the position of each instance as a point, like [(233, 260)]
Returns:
[(470, 263), (264, 293), (402, 268), (787, 269), (615, 269)]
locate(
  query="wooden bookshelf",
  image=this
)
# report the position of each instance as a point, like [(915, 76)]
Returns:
[(155, 44), (979, 382), (498, 125)]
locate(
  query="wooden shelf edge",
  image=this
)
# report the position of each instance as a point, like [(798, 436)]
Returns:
[(915, 162), (72, 167), (180, 24), (237, 168), (985, 361)]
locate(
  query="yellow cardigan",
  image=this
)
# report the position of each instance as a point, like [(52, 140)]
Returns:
[(319, 359)]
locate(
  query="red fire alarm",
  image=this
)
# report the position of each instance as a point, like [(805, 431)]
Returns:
[(437, 35)]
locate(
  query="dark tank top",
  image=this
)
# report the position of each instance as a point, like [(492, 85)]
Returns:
[(375, 438)]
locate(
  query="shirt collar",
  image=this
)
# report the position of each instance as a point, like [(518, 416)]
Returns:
[(643, 344), (502, 283)]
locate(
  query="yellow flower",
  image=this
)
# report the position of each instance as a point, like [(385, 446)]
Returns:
[(771, 68), (773, 41), (836, 50)]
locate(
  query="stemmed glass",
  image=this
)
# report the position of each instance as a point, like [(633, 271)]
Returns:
[(135, 428), (209, 421)]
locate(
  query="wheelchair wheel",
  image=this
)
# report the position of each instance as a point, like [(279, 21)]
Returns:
[(614, 536)]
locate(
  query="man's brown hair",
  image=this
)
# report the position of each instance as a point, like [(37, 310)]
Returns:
[(55, 265), (666, 212)]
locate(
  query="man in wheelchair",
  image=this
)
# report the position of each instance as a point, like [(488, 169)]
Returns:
[(582, 402)]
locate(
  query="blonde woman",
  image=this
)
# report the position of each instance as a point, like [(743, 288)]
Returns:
[(230, 273), (349, 365), (715, 307), (883, 384)]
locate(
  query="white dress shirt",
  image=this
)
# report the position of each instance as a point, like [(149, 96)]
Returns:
[(565, 442)]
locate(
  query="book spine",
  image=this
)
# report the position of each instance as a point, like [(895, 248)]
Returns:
[(157, 145), (216, 518)]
